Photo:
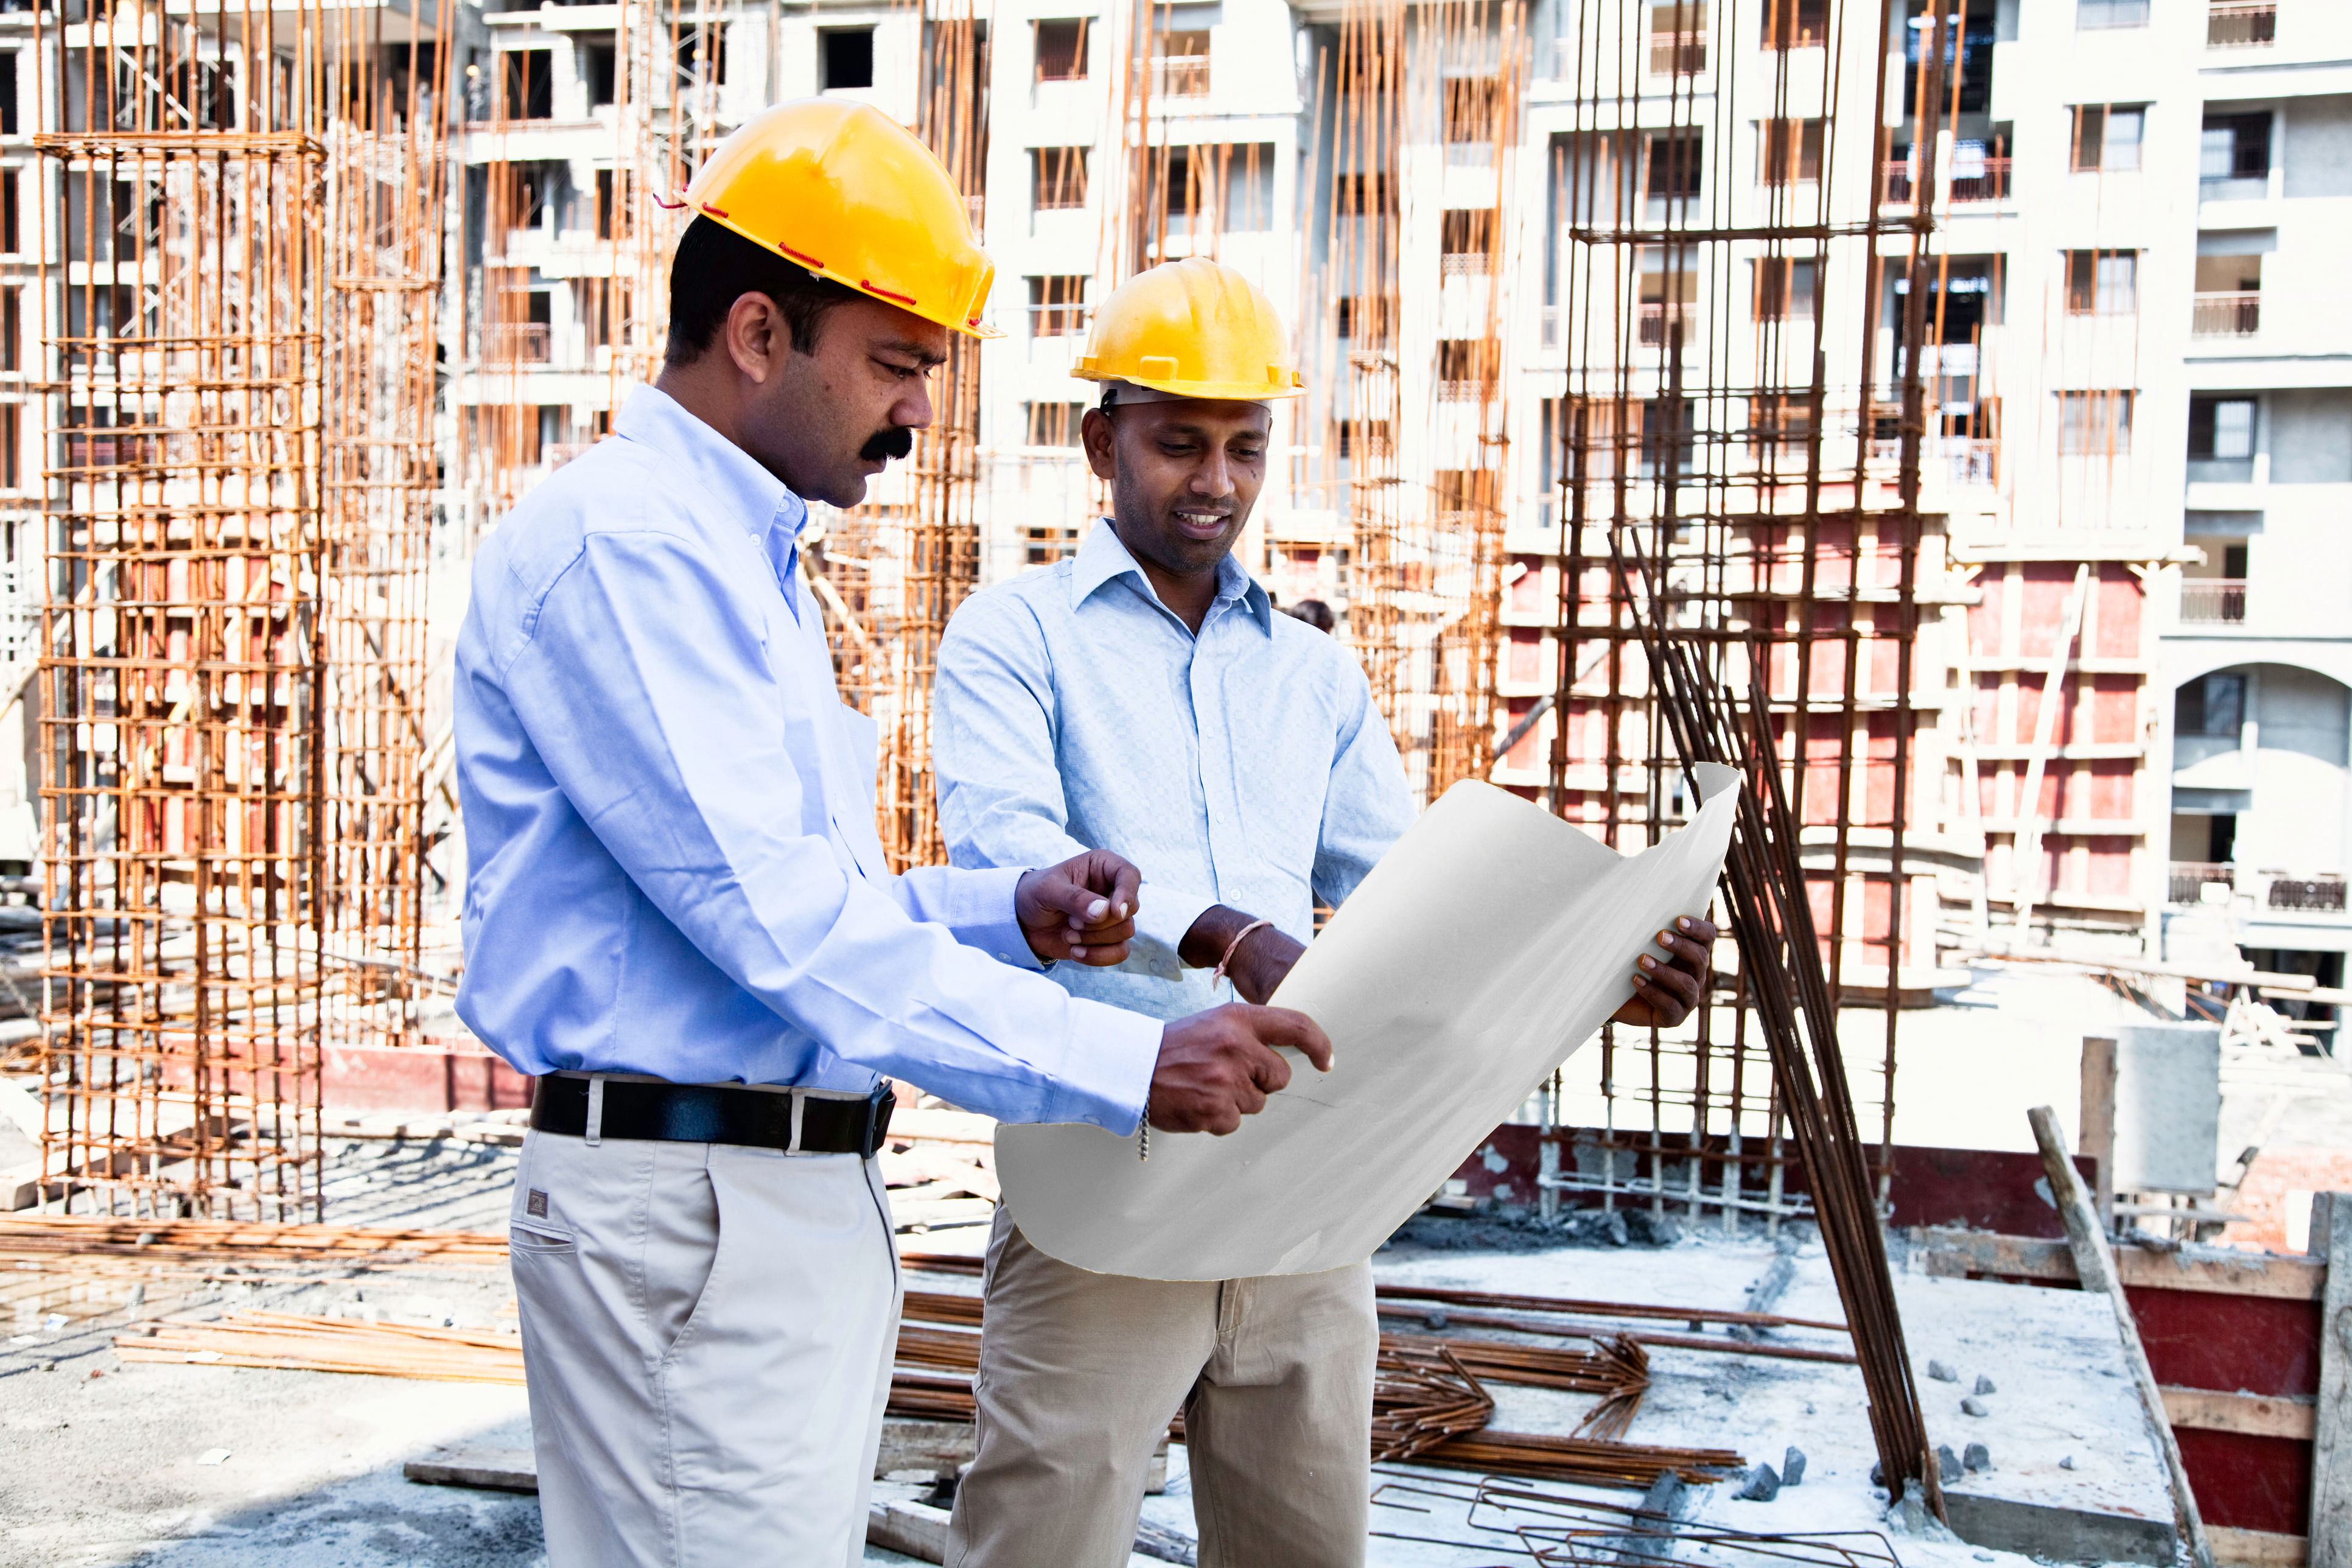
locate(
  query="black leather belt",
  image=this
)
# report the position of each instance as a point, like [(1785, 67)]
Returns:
[(707, 1114)]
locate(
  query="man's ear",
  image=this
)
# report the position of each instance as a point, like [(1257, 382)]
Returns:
[(1100, 438), (756, 336)]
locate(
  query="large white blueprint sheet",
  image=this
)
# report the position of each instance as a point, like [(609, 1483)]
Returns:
[(1491, 942)]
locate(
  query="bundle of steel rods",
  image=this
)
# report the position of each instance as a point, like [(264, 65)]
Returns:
[(1781, 963), (214, 1240), (1421, 1397)]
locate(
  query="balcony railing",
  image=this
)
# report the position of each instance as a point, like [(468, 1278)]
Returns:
[(2212, 601), (2241, 26), (1988, 183), (2236, 315), (1653, 316), (1984, 181), (517, 342), (1180, 76), (2191, 879), (2297, 893), (1677, 54), (1972, 461)]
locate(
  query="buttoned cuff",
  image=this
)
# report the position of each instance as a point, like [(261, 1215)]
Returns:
[(1165, 914), (982, 916), (1106, 1076)]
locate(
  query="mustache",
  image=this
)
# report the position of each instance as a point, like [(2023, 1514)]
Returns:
[(895, 442)]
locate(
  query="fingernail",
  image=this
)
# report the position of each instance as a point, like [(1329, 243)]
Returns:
[(1682, 925), (1077, 952), (1665, 939), (1649, 963), (1122, 911), (1097, 910)]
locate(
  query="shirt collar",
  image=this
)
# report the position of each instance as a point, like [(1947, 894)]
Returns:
[(1104, 557), (759, 499)]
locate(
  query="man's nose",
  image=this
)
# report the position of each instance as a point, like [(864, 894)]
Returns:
[(912, 411), (1214, 476)]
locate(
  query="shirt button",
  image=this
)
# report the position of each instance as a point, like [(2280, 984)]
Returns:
[(1003, 958)]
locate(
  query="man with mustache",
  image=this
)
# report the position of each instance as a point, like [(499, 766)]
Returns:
[(1146, 693), (678, 913)]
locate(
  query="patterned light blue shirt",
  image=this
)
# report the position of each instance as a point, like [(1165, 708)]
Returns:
[(1245, 766), (670, 815)]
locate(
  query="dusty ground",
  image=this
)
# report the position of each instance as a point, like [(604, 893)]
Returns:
[(109, 1469)]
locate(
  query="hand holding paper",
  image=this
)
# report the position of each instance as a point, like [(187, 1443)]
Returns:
[(1492, 941)]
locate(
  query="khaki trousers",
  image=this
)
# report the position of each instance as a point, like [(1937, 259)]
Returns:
[(707, 1333), (1080, 1374)]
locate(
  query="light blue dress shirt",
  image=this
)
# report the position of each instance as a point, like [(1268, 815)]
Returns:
[(1245, 766), (670, 818)]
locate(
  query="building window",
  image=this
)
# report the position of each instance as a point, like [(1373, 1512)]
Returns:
[(1180, 63), (845, 57), (2214, 705), (597, 60), (1796, 24), (1779, 422), (1057, 178), (1789, 151), (2221, 439), (2234, 147), (2107, 138), (2102, 282), (1054, 423), (11, 212), (702, 56), (1675, 166), (7, 93), (1366, 319), (1785, 287), (1663, 433), (1466, 368), (1362, 438), (12, 329), (1062, 51), (1217, 187), (1469, 239), (1677, 37), (1057, 308), (12, 445), (527, 80), (2094, 15), (2229, 302), (2095, 424)]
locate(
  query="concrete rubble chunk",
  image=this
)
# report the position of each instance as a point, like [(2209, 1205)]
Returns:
[(1972, 1405), (1984, 1384), (1793, 1467), (1941, 1373), (1976, 1457), (1763, 1484), (1947, 1464), (2067, 1463)]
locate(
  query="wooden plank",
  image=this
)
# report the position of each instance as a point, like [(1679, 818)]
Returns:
[(2218, 1271), (2262, 1416), (2331, 1460), (2255, 1548), (2095, 1128), (2097, 1265)]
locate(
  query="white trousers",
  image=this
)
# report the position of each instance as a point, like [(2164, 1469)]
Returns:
[(707, 1332)]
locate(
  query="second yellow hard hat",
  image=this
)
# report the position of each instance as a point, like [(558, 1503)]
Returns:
[(848, 193), (1195, 328)]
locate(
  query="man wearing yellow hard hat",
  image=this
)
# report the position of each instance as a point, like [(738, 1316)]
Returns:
[(1146, 693), (678, 915)]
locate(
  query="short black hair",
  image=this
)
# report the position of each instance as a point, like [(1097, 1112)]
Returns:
[(714, 266)]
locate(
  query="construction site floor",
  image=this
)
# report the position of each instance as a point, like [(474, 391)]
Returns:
[(175, 1465)]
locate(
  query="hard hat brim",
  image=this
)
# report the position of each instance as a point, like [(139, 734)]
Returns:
[(1203, 391)]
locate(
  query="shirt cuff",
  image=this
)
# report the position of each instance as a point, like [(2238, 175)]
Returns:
[(1162, 919), (1105, 1080), (982, 915)]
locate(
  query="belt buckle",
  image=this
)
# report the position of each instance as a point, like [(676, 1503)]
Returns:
[(879, 1106)]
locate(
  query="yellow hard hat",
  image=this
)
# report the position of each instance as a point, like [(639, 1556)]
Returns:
[(1194, 328), (849, 192)]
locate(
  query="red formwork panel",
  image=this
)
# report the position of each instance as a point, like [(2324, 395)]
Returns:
[(419, 1077), (2248, 1482)]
